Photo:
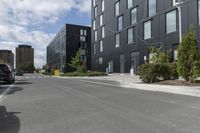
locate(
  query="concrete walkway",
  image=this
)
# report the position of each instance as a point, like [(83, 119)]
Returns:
[(133, 81)]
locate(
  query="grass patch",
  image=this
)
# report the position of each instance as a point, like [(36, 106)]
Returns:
[(82, 74)]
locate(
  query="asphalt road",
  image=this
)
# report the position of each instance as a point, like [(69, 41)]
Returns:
[(37, 104)]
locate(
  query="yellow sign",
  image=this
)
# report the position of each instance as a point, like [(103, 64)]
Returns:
[(56, 72)]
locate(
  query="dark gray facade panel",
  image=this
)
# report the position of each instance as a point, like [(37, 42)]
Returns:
[(158, 27)]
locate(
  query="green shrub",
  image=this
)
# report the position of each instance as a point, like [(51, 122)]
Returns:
[(173, 70), (81, 74), (150, 73)]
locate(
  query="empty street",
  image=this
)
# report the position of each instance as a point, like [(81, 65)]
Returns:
[(38, 104)]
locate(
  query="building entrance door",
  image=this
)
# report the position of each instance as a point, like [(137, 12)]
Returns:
[(135, 61), (121, 63)]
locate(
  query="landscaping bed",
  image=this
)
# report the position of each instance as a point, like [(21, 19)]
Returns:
[(84, 74), (178, 83)]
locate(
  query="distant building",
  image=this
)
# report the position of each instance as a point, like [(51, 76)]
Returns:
[(6, 56), (24, 56), (65, 45)]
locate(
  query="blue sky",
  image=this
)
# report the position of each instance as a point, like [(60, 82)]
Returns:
[(35, 22)]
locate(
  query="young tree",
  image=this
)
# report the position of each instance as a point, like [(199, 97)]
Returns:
[(188, 57), (77, 64), (159, 55)]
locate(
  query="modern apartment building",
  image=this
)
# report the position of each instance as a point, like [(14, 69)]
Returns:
[(24, 56), (65, 45), (7, 56), (123, 30)]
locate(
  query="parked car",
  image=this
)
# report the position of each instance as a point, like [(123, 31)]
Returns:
[(7, 74), (19, 73)]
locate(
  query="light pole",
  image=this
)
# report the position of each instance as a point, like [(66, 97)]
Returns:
[(177, 4)]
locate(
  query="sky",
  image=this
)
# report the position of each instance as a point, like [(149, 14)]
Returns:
[(35, 22)]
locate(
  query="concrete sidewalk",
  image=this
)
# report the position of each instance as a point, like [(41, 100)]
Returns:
[(133, 81)]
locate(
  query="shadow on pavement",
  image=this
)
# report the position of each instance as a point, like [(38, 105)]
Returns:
[(23, 83), (9, 122), (12, 90)]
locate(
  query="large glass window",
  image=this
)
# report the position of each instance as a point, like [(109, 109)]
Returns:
[(93, 3), (94, 24), (199, 10), (82, 38), (117, 9), (101, 20), (102, 5), (130, 3), (94, 46), (103, 31), (134, 15), (152, 7), (171, 22), (130, 35), (120, 23), (101, 46), (117, 40), (147, 30), (100, 60), (95, 35), (81, 32), (95, 11)]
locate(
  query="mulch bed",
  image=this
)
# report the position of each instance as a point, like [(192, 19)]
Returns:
[(178, 83)]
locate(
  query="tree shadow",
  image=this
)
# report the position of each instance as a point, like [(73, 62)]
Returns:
[(9, 122)]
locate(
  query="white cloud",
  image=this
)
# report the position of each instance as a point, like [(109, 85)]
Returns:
[(19, 16)]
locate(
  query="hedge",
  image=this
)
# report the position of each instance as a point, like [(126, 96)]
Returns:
[(150, 73)]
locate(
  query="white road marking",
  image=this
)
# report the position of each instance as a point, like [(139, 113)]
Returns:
[(2, 96)]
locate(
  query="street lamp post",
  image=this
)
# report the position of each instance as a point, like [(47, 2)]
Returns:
[(177, 4)]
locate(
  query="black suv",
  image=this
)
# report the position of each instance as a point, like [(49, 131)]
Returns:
[(6, 74)]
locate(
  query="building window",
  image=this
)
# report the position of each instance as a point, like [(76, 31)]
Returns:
[(102, 6), (82, 38), (93, 3), (175, 54), (120, 23), (199, 10), (101, 20), (173, 2), (95, 35), (117, 40), (171, 22), (152, 7), (101, 46), (129, 3), (100, 60), (134, 15), (95, 11), (94, 24), (117, 8), (103, 32), (85, 32), (81, 32), (130, 35), (147, 30), (94, 46)]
